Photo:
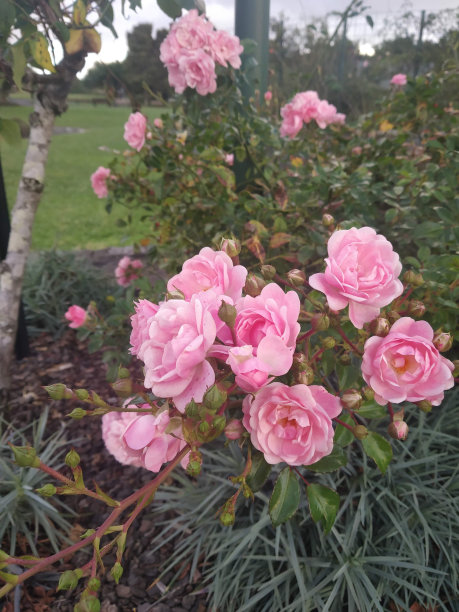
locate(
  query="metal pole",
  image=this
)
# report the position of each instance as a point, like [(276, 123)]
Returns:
[(252, 21), (418, 52)]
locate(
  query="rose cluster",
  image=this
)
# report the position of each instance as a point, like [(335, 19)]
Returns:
[(191, 51), (207, 325), (305, 107)]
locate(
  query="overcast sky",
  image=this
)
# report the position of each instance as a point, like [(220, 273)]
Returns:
[(221, 14)]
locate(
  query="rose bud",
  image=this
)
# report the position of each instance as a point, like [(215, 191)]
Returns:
[(368, 393), (296, 277), (300, 362), (327, 220), (393, 316), (379, 327), (234, 429), (329, 342), (409, 277), (351, 399), (320, 322), (416, 308), (419, 280), (360, 432), (231, 247), (398, 430), (268, 272), (253, 285), (424, 405), (227, 313), (345, 359), (442, 341), (305, 377)]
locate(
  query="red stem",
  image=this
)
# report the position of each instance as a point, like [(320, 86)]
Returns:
[(340, 422), (307, 483), (317, 354), (346, 339), (391, 411)]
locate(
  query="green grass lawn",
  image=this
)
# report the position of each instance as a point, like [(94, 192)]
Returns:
[(70, 216)]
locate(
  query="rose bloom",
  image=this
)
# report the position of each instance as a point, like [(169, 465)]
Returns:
[(127, 271), (229, 159), (226, 49), (362, 271), (198, 70), (180, 336), (114, 424), (146, 439), (158, 123), (76, 315), (140, 321), (399, 79), (209, 270), (405, 365), (291, 424), (268, 96), (134, 130), (99, 181)]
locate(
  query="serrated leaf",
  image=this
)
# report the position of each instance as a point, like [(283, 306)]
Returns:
[(335, 460), (323, 505), (259, 473), (10, 131), (343, 436), (39, 50), (379, 449), (285, 497)]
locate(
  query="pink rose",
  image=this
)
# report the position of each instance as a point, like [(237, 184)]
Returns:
[(304, 107), (362, 271), (127, 271), (405, 365), (399, 79), (147, 440), (229, 159), (77, 316), (140, 321), (209, 270), (99, 181), (226, 49), (181, 335), (114, 424), (251, 371), (158, 123), (193, 31), (198, 70), (268, 96), (134, 130), (291, 424)]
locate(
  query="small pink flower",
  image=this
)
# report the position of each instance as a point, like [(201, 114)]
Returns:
[(140, 321), (291, 424), (268, 96), (209, 270), (146, 439), (180, 336), (229, 159), (399, 79), (158, 123), (362, 271), (77, 316), (234, 429), (134, 130), (127, 271), (405, 365), (304, 107), (99, 181), (226, 49), (114, 424)]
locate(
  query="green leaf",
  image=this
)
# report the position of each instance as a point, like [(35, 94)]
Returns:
[(9, 131), (285, 497), (259, 473), (19, 64), (348, 375), (343, 436), (335, 460), (171, 8), (323, 505), (7, 16), (379, 449), (39, 49), (371, 410)]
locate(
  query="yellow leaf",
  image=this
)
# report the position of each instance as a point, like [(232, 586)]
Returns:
[(79, 12), (385, 126), (39, 49), (75, 42), (92, 41)]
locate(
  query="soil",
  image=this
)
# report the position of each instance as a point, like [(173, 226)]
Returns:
[(67, 360)]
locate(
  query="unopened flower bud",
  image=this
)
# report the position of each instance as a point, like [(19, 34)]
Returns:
[(300, 362), (351, 399), (78, 413), (345, 359), (192, 409), (442, 341), (227, 313), (194, 464), (81, 394), (393, 316), (368, 393), (296, 277), (416, 308), (379, 327), (306, 377), (327, 220), (234, 429), (320, 322), (268, 272), (329, 342), (231, 247), (418, 280), (204, 427), (227, 518), (253, 285), (456, 368), (47, 490), (72, 459), (409, 277), (67, 580), (424, 405), (123, 387), (398, 430), (93, 584), (25, 456), (123, 373), (219, 422), (214, 398), (117, 572), (360, 432), (175, 294), (58, 391)]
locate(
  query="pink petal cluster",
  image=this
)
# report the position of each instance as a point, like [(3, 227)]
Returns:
[(304, 107), (192, 48), (134, 130), (77, 316), (99, 181), (405, 365), (145, 438), (114, 424), (362, 271), (291, 424), (268, 96), (399, 79), (140, 321), (127, 270)]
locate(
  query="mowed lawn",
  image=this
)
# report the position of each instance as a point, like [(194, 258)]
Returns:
[(70, 216)]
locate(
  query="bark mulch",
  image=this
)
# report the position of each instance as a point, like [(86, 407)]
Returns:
[(67, 360)]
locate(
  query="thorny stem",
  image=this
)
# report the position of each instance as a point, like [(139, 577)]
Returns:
[(146, 490)]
